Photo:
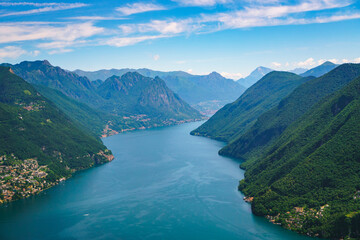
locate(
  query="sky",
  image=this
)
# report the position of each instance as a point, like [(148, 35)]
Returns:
[(231, 37)]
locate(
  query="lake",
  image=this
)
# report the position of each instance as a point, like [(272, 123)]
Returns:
[(163, 184)]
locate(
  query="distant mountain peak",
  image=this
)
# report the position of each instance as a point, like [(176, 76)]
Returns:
[(36, 63), (320, 70), (260, 68), (46, 62), (328, 63), (255, 76), (215, 74)]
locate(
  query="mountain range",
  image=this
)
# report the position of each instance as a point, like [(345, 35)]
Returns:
[(260, 72), (272, 123), (301, 155), (206, 93), (117, 104)]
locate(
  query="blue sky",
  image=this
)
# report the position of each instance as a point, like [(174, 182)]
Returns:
[(199, 36)]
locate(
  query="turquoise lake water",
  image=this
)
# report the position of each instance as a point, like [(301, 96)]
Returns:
[(163, 184)]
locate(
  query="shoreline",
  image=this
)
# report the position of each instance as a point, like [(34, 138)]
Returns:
[(114, 132), (36, 182)]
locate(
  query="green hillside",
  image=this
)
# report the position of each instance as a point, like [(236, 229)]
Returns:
[(235, 118), (86, 117), (271, 124), (38, 140), (104, 108), (309, 180)]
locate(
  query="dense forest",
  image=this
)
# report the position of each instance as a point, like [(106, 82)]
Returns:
[(309, 180), (33, 128), (302, 154)]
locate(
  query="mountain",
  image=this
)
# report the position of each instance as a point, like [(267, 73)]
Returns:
[(206, 93), (133, 93), (308, 180), (272, 123), (320, 70), (299, 71), (254, 76), (39, 144), (84, 116), (43, 73), (105, 74), (104, 115), (235, 118)]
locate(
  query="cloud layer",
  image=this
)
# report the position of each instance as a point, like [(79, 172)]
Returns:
[(134, 8), (77, 31)]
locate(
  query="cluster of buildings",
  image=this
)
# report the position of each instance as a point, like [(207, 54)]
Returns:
[(20, 179)]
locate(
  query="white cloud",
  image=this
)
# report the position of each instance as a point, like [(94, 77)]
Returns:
[(234, 76), (163, 27), (67, 33), (134, 8), (310, 62), (127, 29), (156, 57), (269, 15), (95, 18), (48, 8), (12, 4), (333, 60), (128, 41), (35, 53), (279, 15), (189, 71), (60, 51), (276, 64), (201, 2), (265, 13), (168, 27), (60, 44), (356, 60), (11, 52)]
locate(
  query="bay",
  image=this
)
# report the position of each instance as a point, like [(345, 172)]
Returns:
[(163, 184)]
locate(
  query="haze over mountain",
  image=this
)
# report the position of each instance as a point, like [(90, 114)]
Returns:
[(150, 102), (207, 93), (254, 76), (320, 70), (39, 138), (298, 71), (235, 118)]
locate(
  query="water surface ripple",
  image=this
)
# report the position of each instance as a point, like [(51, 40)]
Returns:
[(163, 184)]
